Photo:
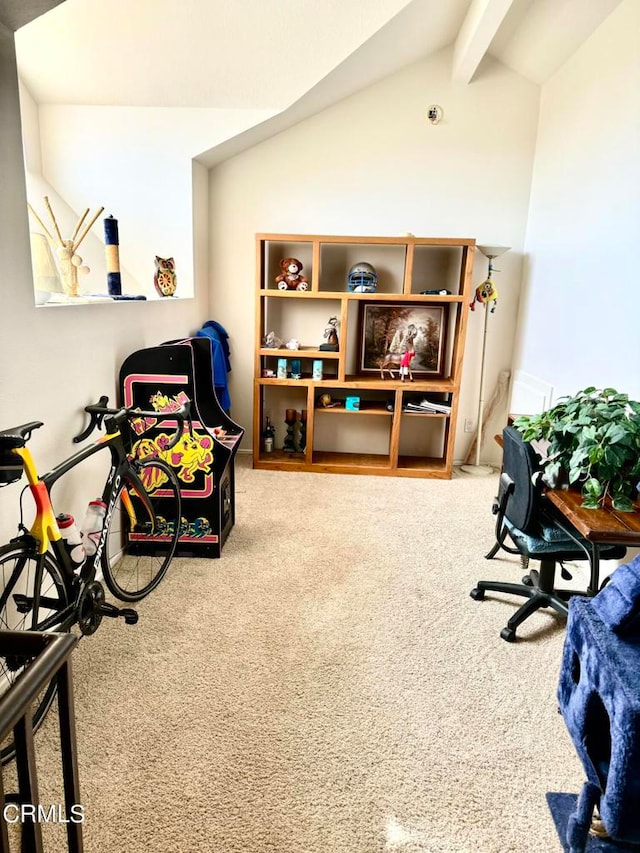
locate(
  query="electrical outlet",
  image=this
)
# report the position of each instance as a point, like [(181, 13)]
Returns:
[(468, 424)]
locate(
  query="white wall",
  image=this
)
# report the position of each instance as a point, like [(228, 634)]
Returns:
[(579, 316), (371, 164), (55, 361), (92, 249), (136, 162)]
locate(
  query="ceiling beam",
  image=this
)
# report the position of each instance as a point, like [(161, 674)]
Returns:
[(16, 13), (482, 22)]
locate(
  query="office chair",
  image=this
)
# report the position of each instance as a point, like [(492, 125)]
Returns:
[(537, 533)]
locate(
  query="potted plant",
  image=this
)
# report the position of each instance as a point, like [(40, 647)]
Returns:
[(593, 440)]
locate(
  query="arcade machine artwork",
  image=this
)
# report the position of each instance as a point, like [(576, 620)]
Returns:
[(190, 457)]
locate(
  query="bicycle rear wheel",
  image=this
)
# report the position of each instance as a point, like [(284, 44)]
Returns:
[(18, 564), (140, 546)]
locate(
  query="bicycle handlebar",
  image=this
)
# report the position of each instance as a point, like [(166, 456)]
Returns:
[(100, 410)]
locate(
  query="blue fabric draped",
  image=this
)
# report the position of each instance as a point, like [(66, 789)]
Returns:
[(221, 363)]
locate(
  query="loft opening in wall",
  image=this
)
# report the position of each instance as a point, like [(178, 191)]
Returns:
[(383, 330)]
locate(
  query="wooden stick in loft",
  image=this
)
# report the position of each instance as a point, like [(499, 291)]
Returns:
[(87, 229), (40, 223), (53, 220), (79, 224)]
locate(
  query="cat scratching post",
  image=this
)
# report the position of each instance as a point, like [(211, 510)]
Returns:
[(111, 242)]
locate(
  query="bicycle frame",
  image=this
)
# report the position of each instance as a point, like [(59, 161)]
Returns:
[(45, 531)]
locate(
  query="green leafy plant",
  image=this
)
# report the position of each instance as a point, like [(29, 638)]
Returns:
[(594, 442)]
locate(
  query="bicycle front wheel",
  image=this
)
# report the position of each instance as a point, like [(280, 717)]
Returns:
[(142, 532), (19, 612)]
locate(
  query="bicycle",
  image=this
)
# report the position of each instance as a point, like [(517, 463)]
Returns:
[(40, 589)]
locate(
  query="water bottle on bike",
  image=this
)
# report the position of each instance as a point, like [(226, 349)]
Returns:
[(72, 539), (92, 526)]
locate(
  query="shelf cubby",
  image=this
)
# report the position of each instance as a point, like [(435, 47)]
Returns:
[(337, 258)]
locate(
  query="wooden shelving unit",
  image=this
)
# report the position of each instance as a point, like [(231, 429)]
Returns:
[(381, 437)]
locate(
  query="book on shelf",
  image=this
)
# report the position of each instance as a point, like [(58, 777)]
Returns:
[(427, 406)]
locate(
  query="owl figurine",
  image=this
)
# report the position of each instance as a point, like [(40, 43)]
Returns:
[(165, 276)]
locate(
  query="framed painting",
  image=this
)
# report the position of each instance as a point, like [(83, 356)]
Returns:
[(385, 328)]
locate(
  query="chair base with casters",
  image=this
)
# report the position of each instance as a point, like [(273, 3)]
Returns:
[(537, 587), (536, 533)]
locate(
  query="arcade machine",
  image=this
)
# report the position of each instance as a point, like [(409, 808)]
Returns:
[(162, 378)]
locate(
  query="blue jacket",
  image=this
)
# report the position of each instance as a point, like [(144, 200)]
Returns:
[(219, 358)]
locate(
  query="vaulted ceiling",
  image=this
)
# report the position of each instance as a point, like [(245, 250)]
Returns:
[(280, 55)]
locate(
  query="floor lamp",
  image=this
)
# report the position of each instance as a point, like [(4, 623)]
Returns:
[(486, 295)]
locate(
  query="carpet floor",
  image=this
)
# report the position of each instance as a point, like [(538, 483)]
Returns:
[(326, 686)]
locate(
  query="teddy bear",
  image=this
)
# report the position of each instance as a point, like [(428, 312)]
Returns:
[(290, 278)]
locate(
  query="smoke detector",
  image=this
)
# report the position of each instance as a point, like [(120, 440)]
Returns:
[(434, 114)]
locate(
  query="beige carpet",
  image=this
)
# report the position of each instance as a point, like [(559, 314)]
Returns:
[(327, 686)]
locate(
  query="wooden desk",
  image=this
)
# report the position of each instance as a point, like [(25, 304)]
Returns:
[(604, 526)]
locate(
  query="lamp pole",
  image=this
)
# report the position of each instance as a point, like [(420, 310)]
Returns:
[(486, 294), (482, 378)]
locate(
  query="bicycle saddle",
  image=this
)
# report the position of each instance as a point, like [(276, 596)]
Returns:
[(18, 436)]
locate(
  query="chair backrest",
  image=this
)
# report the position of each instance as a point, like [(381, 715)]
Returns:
[(521, 465)]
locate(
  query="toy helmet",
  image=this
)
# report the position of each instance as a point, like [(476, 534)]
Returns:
[(362, 278)]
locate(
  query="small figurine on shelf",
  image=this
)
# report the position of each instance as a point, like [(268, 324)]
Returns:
[(165, 280), (409, 352), (331, 336), (405, 365), (290, 278), (326, 401), (272, 341), (400, 354)]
